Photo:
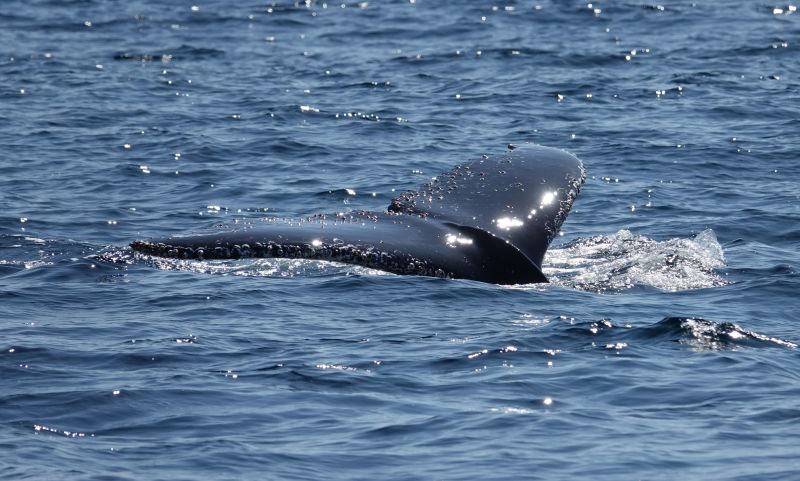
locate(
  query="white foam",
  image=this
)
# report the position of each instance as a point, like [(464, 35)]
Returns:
[(624, 260)]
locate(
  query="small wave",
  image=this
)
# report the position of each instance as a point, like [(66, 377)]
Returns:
[(624, 260), (184, 51), (705, 335), (41, 428), (696, 333)]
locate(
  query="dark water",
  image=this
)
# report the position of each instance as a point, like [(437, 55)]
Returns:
[(664, 348)]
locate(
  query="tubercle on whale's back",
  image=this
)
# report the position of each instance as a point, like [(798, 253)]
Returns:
[(398, 263)]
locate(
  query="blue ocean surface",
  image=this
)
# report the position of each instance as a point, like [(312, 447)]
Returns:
[(664, 347)]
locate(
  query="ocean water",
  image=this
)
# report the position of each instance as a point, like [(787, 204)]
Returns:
[(665, 346)]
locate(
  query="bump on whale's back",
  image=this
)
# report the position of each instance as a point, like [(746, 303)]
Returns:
[(522, 196)]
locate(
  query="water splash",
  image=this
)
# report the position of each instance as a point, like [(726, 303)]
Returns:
[(624, 260), (267, 267)]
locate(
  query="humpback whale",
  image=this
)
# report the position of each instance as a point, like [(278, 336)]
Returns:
[(490, 220)]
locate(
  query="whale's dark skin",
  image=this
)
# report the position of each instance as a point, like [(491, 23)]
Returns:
[(488, 220)]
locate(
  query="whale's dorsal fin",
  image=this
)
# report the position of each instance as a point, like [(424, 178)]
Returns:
[(521, 196), (490, 220)]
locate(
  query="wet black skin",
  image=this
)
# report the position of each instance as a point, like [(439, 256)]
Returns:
[(489, 220)]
